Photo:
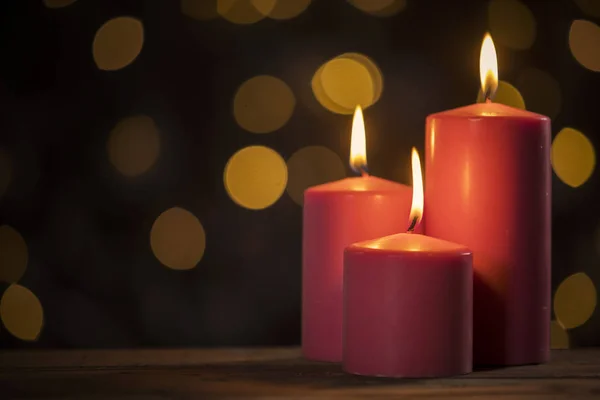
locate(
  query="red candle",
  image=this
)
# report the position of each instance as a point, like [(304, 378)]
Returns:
[(408, 303), (337, 214), (488, 186)]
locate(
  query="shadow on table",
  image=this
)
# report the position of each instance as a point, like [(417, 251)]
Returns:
[(570, 372), (299, 372)]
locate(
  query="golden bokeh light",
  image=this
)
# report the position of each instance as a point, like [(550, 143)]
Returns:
[(178, 239), (263, 104), (311, 166), (242, 12), (21, 313), (509, 95), (374, 72), (134, 145), (255, 177), (13, 254), (573, 157), (281, 9), (559, 337), (379, 8), (506, 94), (541, 91), (590, 7), (512, 24), (322, 97), (346, 81), (5, 171), (118, 43), (584, 42), (58, 3), (201, 10), (575, 301)]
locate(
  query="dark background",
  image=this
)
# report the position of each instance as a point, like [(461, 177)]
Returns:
[(87, 226)]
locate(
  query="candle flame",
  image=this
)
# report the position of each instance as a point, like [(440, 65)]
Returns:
[(416, 210), (488, 67), (358, 143)]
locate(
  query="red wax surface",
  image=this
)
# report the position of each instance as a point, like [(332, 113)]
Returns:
[(487, 185), (408, 312), (337, 214)]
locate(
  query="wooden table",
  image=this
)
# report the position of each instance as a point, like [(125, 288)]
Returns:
[(270, 373)]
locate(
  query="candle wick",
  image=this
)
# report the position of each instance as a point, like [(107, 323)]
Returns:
[(364, 172), (487, 94), (412, 225)]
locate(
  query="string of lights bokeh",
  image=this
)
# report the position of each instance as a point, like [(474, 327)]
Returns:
[(255, 177)]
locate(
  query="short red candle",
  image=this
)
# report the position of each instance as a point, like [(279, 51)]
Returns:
[(488, 186), (408, 307), (337, 214)]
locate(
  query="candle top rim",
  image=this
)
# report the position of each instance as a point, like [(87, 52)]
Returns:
[(413, 243), (361, 184), (489, 110)]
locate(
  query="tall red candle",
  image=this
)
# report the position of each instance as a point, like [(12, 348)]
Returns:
[(488, 186), (337, 214), (408, 303)]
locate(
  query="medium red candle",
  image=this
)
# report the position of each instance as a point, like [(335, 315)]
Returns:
[(337, 214), (488, 186), (408, 303)]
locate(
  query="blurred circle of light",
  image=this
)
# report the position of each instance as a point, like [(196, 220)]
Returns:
[(310, 166), (323, 98), (118, 43), (511, 23), (5, 171), (575, 301), (134, 145), (263, 104), (241, 12), (541, 91), (379, 8), (21, 313), (58, 3), (281, 9), (374, 72), (590, 7), (506, 94), (178, 239), (255, 177), (584, 42), (559, 337), (346, 81), (201, 10), (573, 157), (13, 254)]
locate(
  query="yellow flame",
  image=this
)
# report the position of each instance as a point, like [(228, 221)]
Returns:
[(416, 210), (488, 66), (358, 142)]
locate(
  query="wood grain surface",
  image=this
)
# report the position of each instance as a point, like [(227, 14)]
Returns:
[(271, 373)]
